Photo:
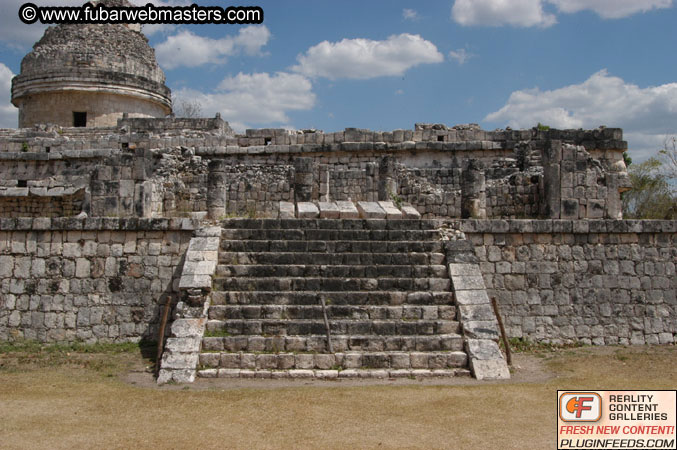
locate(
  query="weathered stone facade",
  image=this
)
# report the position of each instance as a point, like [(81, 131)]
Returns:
[(592, 281), (91, 280), (164, 167)]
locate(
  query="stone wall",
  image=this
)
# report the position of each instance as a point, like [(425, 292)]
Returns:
[(88, 279), (594, 281), (159, 168), (21, 202), (103, 109)]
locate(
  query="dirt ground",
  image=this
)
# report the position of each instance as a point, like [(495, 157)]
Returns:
[(110, 400)]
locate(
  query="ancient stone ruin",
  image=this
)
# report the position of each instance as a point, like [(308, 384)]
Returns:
[(89, 75), (355, 253)]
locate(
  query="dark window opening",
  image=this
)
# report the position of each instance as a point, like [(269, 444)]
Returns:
[(47, 149), (79, 119), (22, 183), (124, 145), (267, 141), (440, 138)]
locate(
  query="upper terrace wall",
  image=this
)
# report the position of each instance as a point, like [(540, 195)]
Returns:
[(163, 167)]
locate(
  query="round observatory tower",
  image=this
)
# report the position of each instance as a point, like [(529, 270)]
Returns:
[(89, 76)]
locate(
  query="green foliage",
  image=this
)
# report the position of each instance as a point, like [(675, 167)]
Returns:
[(627, 159), (650, 196), (24, 147), (668, 156), (217, 333), (397, 200), (541, 127), (34, 347)]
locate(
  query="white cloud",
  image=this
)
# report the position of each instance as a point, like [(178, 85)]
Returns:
[(365, 58), (645, 114), (611, 9), (461, 55), (190, 50), (409, 14), (255, 99), (518, 13), (529, 13), (9, 115)]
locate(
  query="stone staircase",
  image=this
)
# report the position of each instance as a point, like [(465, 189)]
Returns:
[(386, 291)]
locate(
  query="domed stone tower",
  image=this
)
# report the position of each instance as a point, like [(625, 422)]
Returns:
[(89, 75)]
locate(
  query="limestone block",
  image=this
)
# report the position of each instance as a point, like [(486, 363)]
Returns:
[(492, 369), (327, 374), (462, 282), (188, 327), (183, 345), (287, 210), (199, 268), (208, 232), (195, 282), (301, 373), (179, 360), (475, 312), (483, 349), (370, 210), (202, 244), (391, 210), (472, 297), (410, 212), (460, 269), (348, 210), (307, 210), (329, 210)]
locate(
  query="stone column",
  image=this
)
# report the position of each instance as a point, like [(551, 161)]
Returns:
[(614, 206), (387, 185), (303, 179), (143, 199), (552, 180), (216, 189), (473, 191)]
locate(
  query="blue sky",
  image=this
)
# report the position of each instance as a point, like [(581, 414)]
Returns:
[(385, 65)]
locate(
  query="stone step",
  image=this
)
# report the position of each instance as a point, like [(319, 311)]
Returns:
[(243, 258), (334, 312), (332, 271), (325, 361), (333, 374), (330, 235), (303, 327), (333, 298), (330, 284), (332, 246), (332, 224), (340, 343)]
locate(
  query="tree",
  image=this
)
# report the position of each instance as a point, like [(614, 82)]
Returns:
[(187, 109), (668, 156), (651, 195)]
